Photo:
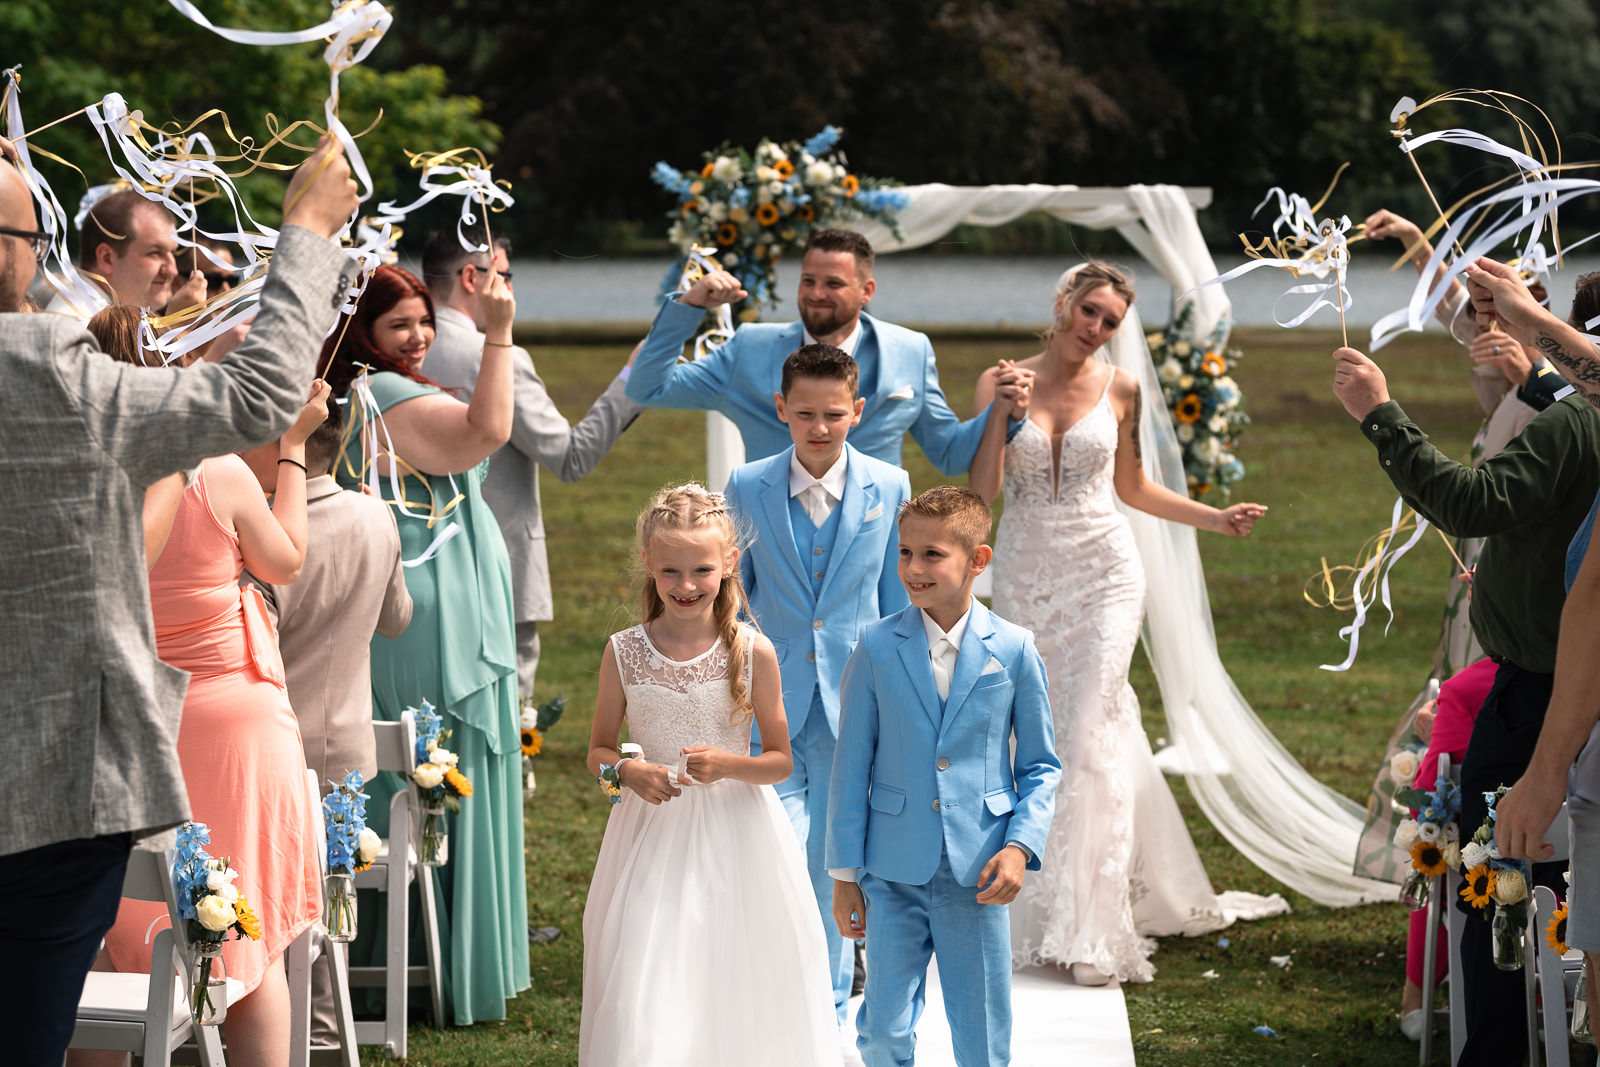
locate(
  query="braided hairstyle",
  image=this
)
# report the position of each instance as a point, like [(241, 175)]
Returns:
[(689, 509)]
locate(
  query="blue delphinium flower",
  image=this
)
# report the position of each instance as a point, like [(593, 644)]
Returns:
[(671, 179), (428, 726), (823, 141), (345, 814)]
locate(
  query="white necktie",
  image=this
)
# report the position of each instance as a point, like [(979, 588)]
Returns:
[(817, 503), (943, 654)]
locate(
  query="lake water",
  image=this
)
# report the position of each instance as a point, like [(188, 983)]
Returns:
[(997, 291)]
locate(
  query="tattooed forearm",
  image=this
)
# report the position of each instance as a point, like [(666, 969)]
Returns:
[(1138, 403), (1582, 369)]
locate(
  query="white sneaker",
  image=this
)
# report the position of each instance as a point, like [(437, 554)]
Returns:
[(1412, 1023), (1089, 975)]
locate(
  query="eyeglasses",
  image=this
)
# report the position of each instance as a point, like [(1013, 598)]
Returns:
[(38, 239), (216, 280), (503, 273)]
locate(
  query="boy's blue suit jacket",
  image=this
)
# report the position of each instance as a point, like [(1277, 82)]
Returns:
[(815, 633), (910, 781), (740, 378)]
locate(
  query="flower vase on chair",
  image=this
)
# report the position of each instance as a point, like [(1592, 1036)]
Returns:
[(434, 848), (208, 999)]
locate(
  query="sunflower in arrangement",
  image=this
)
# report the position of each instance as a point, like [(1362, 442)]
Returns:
[(1477, 886), (536, 719), (1555, 933)]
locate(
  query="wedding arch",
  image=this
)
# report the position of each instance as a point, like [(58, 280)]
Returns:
[(1249, 786)]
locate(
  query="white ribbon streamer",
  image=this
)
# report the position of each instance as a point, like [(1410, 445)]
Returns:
[(1384, 558)]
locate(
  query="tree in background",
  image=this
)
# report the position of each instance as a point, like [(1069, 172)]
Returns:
[(73, 53)]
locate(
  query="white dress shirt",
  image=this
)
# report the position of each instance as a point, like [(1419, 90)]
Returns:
[(819, 496), (944, 665), (847, 346)]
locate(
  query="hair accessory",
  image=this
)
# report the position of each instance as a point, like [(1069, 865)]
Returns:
[(297, 463)]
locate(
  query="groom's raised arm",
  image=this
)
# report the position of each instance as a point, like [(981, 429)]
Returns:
[(948, 442), (659, 380)]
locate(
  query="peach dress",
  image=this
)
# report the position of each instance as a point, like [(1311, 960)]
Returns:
[(238, 741)]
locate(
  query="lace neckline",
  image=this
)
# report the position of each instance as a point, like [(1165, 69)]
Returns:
[(644, 631)]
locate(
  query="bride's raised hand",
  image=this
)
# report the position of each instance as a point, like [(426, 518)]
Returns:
[(1237, 520), (1013, 387)]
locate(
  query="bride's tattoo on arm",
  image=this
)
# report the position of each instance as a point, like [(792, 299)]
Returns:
[(1138, 403), (1582, 370)]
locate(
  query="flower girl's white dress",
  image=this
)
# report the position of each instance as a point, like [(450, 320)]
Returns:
[(701, 940)]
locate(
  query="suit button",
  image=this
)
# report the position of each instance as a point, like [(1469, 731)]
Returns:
[(944, 763), (816, 574), (817, 625), (816, 551), (935, 803), (811, 657)]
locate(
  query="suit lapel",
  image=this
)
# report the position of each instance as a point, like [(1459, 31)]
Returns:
[(775, 506), (914, 655), (974, 656), (859, 495), (785, 342)]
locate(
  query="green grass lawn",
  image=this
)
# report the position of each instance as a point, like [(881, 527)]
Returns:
[(1338, 1002)]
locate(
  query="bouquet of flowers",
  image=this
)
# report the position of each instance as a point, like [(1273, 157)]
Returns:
[(351, 847), (1206, 404), (439, 784), (211, 907), (536, 719), (751, 207), (1432, 838), (1490, 878)]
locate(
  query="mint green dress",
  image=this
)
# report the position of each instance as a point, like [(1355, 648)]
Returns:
[(459, 654)]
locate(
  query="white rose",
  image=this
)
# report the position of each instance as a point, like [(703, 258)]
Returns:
[(730, 260), (428, 775), (764, 194), (1185, 432), (775, 153), (1509, 886), (1405, 835), (1474, 855), (1452, 855), (1171, 370), (215, 914), (726, 169), (218, 879), (1452, 833), (1155, 340), (1186, 381), (767, 174), (443, 757), (369, 846), (1429, 832), (1217, 424), (819, 173), (1182, 349), (1209, 451), (719, 212), (678, 235), (1403, 767)]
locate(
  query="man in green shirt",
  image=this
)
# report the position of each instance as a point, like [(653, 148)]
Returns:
[(1526, 503)]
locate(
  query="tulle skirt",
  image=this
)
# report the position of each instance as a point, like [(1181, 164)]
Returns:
[(701, 941)]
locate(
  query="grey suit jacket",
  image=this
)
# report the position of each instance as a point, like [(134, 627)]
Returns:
[(540, 436), (351, 585), (93, 728)]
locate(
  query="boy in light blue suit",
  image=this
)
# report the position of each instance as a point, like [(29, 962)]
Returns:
[(821, 567), (931, 815), (899, 381)]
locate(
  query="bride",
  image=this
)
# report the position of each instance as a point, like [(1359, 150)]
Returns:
[(1119, 865)]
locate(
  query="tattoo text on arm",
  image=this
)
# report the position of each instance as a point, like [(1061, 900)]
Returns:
[(1138, 403), (1582, 370)]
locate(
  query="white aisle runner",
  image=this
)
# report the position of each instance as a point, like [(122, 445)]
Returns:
[(1053, 1019)]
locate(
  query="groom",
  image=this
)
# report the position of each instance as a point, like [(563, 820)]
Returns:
[(899, 380)]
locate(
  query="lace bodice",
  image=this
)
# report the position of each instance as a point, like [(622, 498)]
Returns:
[(672, 704), (1084, 484)]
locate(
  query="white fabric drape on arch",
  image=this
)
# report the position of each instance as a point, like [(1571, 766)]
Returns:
[(1250, 787)]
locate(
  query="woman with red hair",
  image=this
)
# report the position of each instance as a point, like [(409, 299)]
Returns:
[(426, 453)]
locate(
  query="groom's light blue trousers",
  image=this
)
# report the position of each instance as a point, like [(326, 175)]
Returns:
[(805, 799), (906, 924)]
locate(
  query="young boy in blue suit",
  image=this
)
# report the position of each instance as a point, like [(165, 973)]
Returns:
[(932, 819), (821, 567)]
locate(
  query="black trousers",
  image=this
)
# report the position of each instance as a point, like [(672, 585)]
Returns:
[(1502, 743), (56, 904)]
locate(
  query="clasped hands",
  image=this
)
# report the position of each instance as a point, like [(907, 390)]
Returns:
[(703, 764), (1013, 388)]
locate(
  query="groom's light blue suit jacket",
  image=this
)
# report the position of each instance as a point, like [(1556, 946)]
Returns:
[(815, 632), (740, 378), (912, 779)]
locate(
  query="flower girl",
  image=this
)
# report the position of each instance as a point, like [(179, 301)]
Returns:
[(701, 940)]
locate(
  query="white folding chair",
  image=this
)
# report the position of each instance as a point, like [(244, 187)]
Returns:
[(392, 873), (1534, 951), (304, 951), (1558, 980), (148, 1014)]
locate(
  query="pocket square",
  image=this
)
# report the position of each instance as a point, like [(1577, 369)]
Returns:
[(994, 666), (872, 513), (905, 392)]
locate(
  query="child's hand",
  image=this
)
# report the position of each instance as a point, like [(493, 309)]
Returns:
[(705, 763), (649, 780), (849, 910), (1003, 873)]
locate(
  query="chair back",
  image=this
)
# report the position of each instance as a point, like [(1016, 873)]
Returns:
[(397, 744), (319, 824)]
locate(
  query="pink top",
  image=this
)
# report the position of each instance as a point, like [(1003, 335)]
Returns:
[(1460, 697)]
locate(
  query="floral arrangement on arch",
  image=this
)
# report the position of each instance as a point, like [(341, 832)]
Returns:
[(1206, 405), (751, 207)]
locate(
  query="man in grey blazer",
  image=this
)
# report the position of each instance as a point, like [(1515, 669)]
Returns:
[(540, 435), (93, 721)]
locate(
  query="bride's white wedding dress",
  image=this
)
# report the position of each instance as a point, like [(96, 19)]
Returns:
[(701, 939), (1119, 866)]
